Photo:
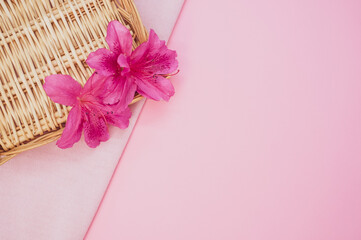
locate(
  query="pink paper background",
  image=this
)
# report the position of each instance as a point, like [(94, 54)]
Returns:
[(263, 137)]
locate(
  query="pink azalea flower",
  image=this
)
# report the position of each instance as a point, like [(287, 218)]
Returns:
[(88, 112), (142, 70)]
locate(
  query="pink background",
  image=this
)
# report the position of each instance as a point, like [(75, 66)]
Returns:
[(263, 137)]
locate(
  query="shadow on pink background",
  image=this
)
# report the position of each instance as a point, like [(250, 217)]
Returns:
[(263, 137)]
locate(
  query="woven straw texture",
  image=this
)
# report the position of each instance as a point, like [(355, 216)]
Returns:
[(43, 37)]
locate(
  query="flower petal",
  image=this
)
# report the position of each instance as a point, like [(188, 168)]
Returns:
[(95, 129), (95, 86), (118, 116), (72, 130), (119, 38), (123, 64), (120, 90), (153, 57), (156, 87), (62, 89), (103, 61)]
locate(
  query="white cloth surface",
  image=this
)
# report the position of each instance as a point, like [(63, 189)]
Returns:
[(50, 193)]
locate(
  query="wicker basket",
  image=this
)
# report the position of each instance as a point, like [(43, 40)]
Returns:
[(43, 37)]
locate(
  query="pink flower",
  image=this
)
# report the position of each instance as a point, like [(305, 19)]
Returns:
[(88, 112), (142, 70)]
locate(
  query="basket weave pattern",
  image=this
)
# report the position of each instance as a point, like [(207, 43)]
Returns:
[(43, 37)]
